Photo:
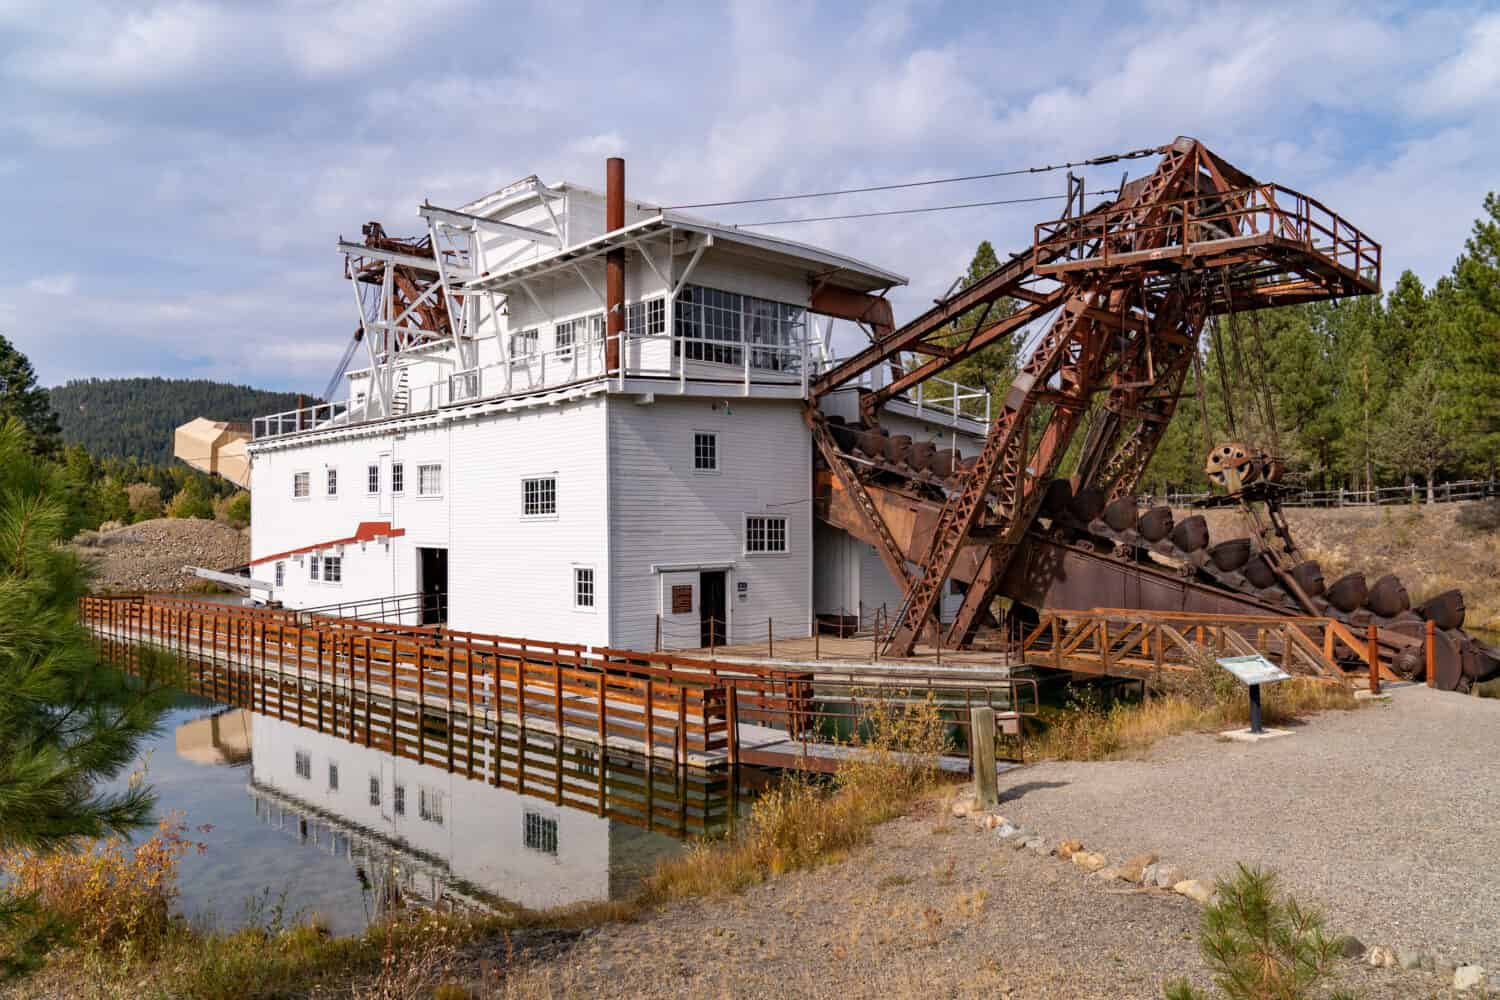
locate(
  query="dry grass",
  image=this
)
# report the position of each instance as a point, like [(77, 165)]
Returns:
[(1208, 700), (803, 822)]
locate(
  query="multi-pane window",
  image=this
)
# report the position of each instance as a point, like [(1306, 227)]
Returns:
[(333, 482), (303, 763), (765, 533), (646, 319), (398, 800), (523, 344), (716, 324), (540, 832), (333, 776), (539, 496), (281, 574), (372, 479), (312, 565), (705, 451), (583, 587), (301, 485), (430, 805), (429, 480), (333, 569), (374, 790), (398, 477), (573, 331)]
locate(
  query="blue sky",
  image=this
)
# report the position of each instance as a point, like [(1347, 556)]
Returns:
[(173, 176)]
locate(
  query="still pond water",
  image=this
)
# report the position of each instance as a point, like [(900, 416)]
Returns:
[(318, 824)]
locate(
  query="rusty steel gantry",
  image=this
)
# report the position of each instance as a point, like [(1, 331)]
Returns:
[(1132, 283)]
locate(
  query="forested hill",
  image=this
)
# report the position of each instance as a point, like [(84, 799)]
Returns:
[(135, 417)]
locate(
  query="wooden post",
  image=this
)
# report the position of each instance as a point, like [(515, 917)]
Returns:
[(650, 732), (982, 756), (603, 725), (732, 723), (770, 638), (1431, 653), (681, 741), (657, 647), (1373, 634), (421, 709), (817, 634), (369, 698)]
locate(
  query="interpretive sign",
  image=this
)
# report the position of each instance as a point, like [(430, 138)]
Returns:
[(1254, 670)]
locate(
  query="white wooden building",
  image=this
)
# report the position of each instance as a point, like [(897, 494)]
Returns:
[(544, 472)]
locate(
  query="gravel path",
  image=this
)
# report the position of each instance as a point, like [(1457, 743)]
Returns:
[(1387, 817)]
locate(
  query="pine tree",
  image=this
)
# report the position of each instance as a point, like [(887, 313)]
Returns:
[(993, 367), (1471, 326), (20, 397), (67, 721)]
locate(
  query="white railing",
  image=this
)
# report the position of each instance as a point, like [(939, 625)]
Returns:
[(654, 356), (935, 398)]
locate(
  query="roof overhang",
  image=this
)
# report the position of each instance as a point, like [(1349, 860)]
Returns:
[(827, 266)]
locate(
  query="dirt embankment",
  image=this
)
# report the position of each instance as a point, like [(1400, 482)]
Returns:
[(150, 556), (1431, 548)]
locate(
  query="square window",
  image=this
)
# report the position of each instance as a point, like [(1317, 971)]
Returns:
[(539, 496), (429, 480), (705, 451), (374, 790), (523, 344), (281, 574), (301, 485), (583, 587), (372, 479), (540, 832), (646, 319), (333, 776), (303, 762), (398, 801), (765, 534), (333, 482), (398, 478), (333, 569)]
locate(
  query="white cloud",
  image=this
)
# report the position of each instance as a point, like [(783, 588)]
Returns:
[(1468, 80), (53, 284)]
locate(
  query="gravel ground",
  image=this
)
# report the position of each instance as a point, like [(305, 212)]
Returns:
[(150, 556), (1387, 817), (935, 907)]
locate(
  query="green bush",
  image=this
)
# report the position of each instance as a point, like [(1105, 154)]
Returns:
[(1261, 944)]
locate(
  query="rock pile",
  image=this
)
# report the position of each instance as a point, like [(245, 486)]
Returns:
[(150, 556)]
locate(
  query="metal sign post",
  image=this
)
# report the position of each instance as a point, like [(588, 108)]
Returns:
[(1253, 671)]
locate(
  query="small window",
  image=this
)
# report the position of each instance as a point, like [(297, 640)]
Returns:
[(301, 485), (312, 566), (646, 319), (565, 335), (281, 574), (398, 478), (765, 534), (333, 482), (303, 763), (333, 776), (540, 833), (523, 344), (398, 800), (583, 587), (429, 480), (705, 451), (333, 569), (430, 805), (372, 479), (374, 790), (539, 496)]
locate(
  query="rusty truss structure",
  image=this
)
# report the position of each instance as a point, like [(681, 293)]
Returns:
[(1122, 293)]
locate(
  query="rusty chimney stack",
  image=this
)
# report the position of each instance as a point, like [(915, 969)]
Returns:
[(614, 264)]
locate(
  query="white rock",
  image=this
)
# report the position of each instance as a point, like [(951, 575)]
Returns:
[(963, 807), (1167, 876), (1005, 831), (1195, 889), (1466, 977)]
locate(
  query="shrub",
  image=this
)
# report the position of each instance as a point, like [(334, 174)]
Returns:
[(191, 501), (108, 891), (234, 510), (1261, 944)]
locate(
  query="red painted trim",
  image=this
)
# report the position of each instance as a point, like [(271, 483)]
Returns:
[(367, 531)]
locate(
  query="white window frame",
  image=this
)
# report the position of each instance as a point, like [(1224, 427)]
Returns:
[(280, 574), (550, 515), (305, 478), (398, 478), (529, 340), (540, 832), (425, 495), (786, 541), (314, 563), (333, 775), (593, 589), (375, 790), (398, 799), (717, 467), (639, 318), (302, 763), (331, 482), (336, 565), (372, 475)]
